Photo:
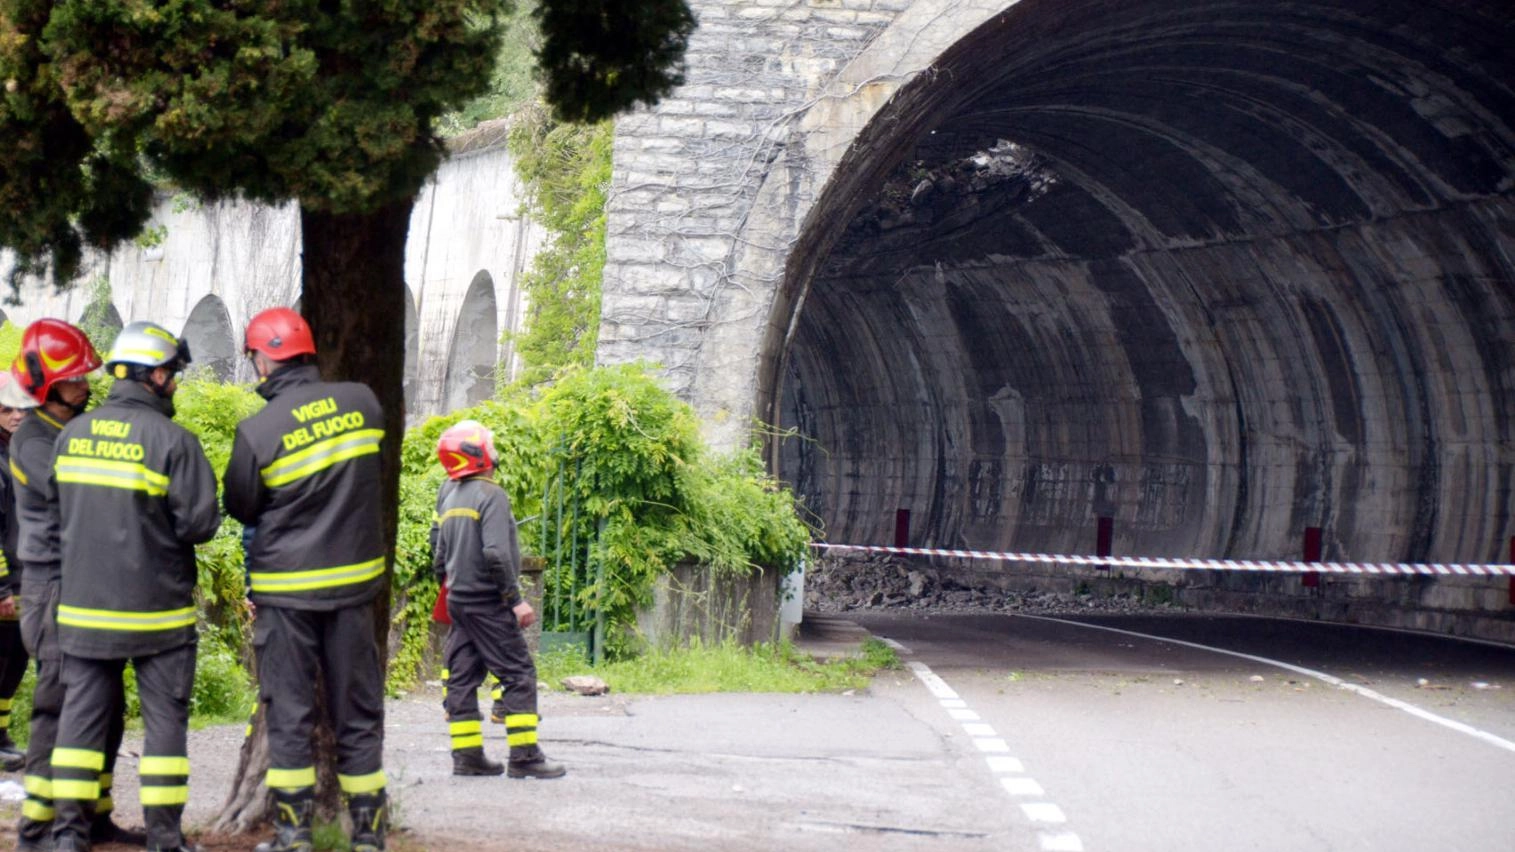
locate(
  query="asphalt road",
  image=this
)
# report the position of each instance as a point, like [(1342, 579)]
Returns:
[(1361, 740)]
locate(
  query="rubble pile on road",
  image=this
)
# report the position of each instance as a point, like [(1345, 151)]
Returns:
[(839, 583)]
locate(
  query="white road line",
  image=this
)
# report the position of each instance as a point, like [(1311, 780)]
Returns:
[(1407, 707), (903, 649), (936, 685), (1022, 787), (1003, 764), (1010, 770)]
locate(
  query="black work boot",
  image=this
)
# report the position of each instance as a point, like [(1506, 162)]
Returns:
[(33, 836), (472, 761), (368, 818), (12, 759), (103, 830), (530, 762), (292, 816)]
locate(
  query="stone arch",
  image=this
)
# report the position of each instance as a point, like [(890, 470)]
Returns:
[(1072, 289), (213, 343), (472, 356)]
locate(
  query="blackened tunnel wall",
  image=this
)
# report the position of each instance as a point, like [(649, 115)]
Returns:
[(1219, 270)]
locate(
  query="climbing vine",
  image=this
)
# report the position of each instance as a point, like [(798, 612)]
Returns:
[(566, 168)]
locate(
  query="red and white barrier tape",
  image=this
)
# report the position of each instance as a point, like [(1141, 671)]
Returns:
[(1390, 568)]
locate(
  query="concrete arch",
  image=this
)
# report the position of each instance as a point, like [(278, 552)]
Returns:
[(472, 356), (213, 343), (1220, 271)]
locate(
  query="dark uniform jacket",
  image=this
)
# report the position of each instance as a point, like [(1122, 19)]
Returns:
[(10, 565), (305, 472), (135, 495), (31, 467), (473, 543)]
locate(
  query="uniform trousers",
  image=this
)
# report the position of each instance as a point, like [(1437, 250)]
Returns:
[(486, 638), (39, 632), (13, 660), (296, 647), (165, 681)]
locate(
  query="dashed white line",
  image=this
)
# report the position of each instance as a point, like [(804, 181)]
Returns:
[(1009, 769)]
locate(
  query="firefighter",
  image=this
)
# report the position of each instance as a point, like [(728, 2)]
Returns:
[(52, 368), (474, 552), (135, 495), (305, 472), (13, 658)]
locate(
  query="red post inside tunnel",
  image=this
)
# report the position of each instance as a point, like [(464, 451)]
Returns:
[(1311, 579)]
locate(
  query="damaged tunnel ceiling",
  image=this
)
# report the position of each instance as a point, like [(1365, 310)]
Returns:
[(1220, 271)]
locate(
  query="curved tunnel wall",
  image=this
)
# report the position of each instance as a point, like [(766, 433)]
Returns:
[(1221, 271)]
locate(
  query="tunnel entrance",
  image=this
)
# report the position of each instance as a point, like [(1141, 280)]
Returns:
[(1221, 272)]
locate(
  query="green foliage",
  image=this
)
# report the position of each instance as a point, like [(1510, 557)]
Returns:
[(10, 342), (640, 495), (223, 689), (513, 83), (567, 170), (722, 668)]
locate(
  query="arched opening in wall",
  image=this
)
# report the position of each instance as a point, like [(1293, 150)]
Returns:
[(475, 347), (212, 342), (412, 348), (101, 322), (1221, 273)]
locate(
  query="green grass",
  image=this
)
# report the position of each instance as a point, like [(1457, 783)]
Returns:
[(724, 668)]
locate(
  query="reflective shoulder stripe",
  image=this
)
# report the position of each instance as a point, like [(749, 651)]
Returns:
[(16, 472), (282, 582), (105, 619), (132, 476), (321, 455), (460, 513)]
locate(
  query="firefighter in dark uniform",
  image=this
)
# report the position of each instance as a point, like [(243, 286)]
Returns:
[(135, 495), (474, 552), (52, 367), (13, 658), (305, 472)]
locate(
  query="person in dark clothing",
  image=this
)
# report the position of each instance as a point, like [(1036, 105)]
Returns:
[(305, 472), (13, 656), (52, 369), (135, 495), (474, 553)]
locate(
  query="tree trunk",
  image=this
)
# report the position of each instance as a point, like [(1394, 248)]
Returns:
[(353, 288)]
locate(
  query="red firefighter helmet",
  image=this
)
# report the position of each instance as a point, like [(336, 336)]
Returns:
[(279, 333), (467, 448), (52, 351)]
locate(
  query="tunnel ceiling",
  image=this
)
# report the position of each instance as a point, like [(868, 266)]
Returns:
[(1221, 271)]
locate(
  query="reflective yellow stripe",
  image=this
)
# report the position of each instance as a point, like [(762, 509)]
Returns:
[(460, 513), (521, 720), (164, 795), (48, 420), (106, 779), (5, 704), (37, 812), (469, 726), (79, 758), (470, 741), (286, 779), (38, 785), (19, 476), (105, 619), (132, 476), (84, 791), (321, 455), (359, 784), (104, 805), (276, 582), (522, 739), (164, 766)]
